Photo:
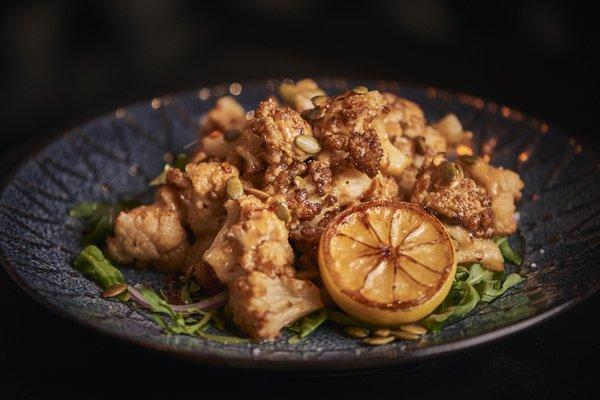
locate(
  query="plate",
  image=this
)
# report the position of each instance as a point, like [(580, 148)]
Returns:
[(116, 155)]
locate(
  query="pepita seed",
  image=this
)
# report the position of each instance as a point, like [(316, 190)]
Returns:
[(449, 171), (356, 332), (258, 193), (114, 290), (468, 159), (378, 341), (382, 332), (313, 114), (319, 101), (400, 334), (307, 144), (414, 329), (282, 211), (234, 187), (232, 134), (360, 90), (126, 297), (299, 182)]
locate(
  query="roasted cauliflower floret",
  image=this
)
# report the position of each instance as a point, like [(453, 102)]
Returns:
[(405, 118), (225, 115), (452, 130), (262, 305), (299, 95), (443, 190), (202, 190), (252, 239), (382, 188), (352, 129), (470, 249), (150, 236), (278, 127), (502, 185)]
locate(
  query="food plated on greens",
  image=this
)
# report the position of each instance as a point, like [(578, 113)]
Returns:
[(350, 208)]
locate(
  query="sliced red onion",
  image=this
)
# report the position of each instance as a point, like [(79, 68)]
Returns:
[(202, 305)]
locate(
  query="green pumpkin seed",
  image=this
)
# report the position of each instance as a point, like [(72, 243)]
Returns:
[(299, 182), (448, 171), (400, 334), (313, 114), (414, 329), (468, 159), (320, 101), (360, 90), (258, 193), (114, 291), (232, 134), (356, 332), (378, 341), (307, 144), (282, 211), (234, 187)]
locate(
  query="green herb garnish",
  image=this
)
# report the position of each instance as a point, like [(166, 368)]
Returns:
[(92, 264), (305, 326), (507, 252), (471, 286), (181, 160), (100, 218)]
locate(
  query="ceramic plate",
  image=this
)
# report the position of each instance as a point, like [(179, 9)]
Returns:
[(116, 155)]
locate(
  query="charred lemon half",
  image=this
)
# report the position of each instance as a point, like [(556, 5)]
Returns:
[(387, 262)]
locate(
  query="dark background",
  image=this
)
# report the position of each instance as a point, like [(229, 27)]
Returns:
[(64, 62)]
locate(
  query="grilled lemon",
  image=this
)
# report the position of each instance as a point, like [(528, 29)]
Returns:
[(387, 262)]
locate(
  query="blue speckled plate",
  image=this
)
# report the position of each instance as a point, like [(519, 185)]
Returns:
[(115, 156)]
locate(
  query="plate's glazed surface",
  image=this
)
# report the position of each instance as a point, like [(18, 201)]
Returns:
[(115, 156)]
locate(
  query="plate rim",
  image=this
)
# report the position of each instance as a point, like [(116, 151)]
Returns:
[(312, 364)]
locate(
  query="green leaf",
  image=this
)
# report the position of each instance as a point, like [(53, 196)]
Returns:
[(477, 274), (345, 319), (507, 252), (491, 289), (92, 264), (307, 325), (222, 339), (100, 218), (181, 160)]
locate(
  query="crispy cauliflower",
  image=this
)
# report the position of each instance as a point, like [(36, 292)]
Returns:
[(225, 115), (452, 130), (470, 249), (352, 129), (202, 189), (150, 235), (262, 305), (252, 239), (502, 185), (299, 95), (443, 190)]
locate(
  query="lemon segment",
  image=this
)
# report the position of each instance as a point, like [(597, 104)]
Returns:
[(387, 262)]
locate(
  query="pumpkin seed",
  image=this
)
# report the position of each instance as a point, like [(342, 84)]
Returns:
[(356, 332), (320, 101), (258, 193), (232, 134), (381, 332), (414, 329), (468, 159), (114, 290), (299, 182), (282, 211), (400, 334), (234, 187), (307, 144), (313, 114), (449, 171), (360, 90), (378, 341)]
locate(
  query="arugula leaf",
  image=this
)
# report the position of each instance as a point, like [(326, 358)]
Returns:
[(222, 339), (477, 274), (92, 264), (507, 252), (100, 218), (307, 325), (491, 289), (344, 319), (181, 160)]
